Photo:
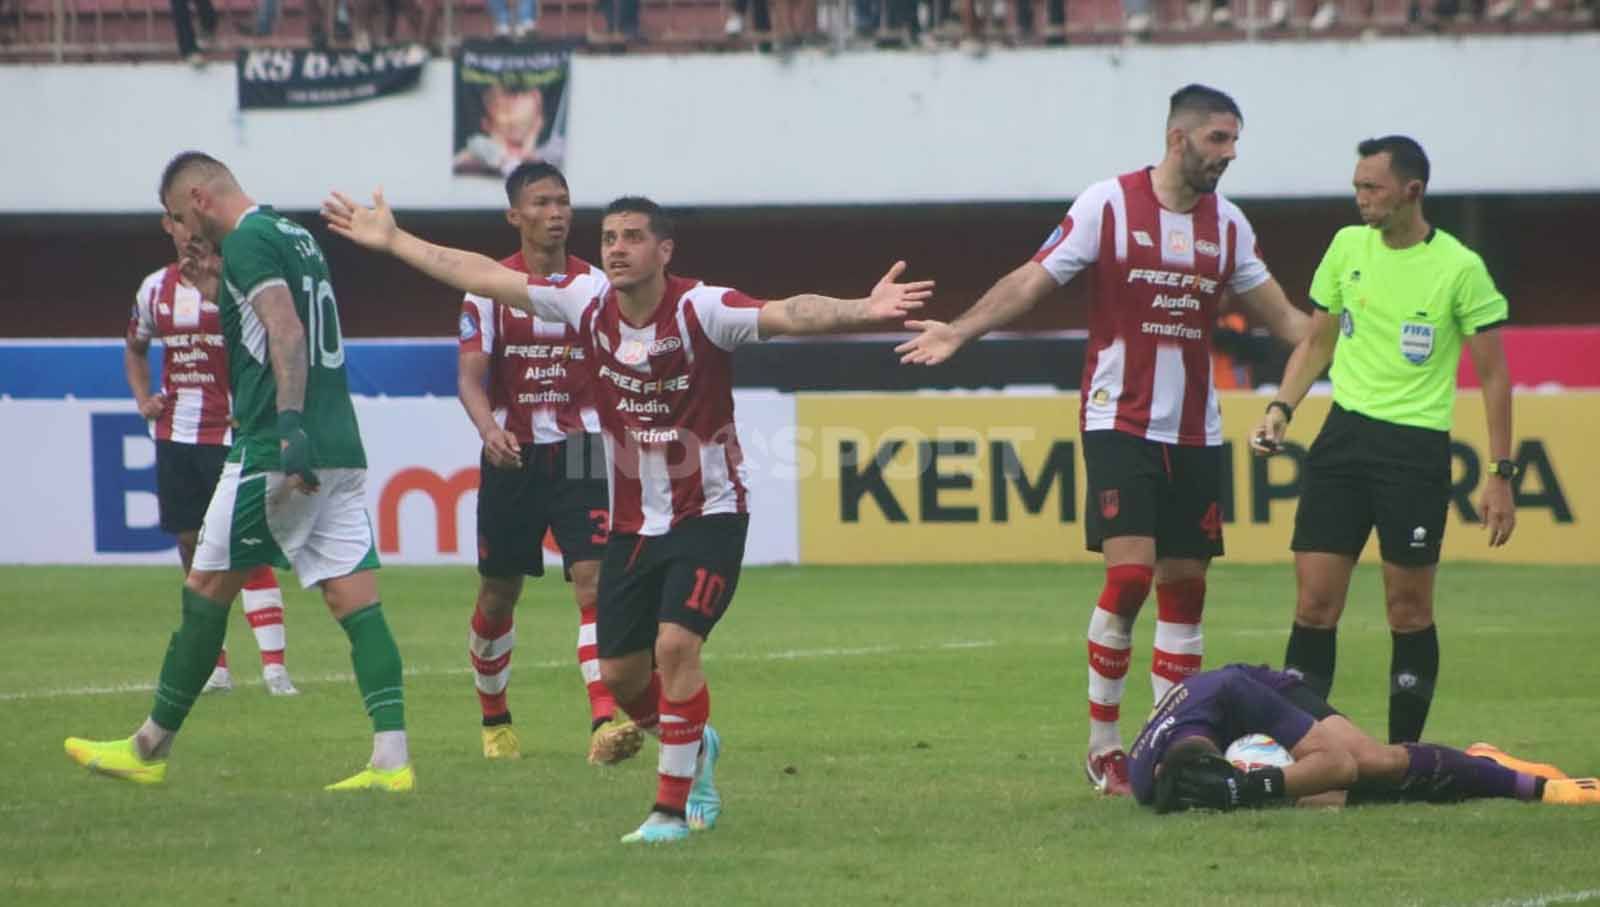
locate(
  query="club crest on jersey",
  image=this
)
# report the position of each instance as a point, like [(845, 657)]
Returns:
[(1178, 242), (1416, 341), (1110, 504), (1100, 397), (469, 328), (632, 352)]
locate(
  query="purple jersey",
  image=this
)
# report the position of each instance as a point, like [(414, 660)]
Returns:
[(1222, 706)]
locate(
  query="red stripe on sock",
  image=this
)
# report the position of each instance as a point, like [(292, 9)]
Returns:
[(673, 793), (1181, 601), (493, 705), (646, 710), (1108, 662), (272, 658), (222, 658), (490, 627), (490, 665), (261, 578), (1100, 712), (1127, 586), (1172, 666), (265, 617)]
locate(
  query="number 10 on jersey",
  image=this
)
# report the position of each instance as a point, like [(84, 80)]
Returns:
[(326, 341)]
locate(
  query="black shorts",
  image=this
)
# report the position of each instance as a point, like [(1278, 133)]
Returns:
[(560, 488), (1168, 492), (186, 477), (686, 577), (1363, 472)]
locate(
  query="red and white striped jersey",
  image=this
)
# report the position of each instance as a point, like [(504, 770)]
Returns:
[(665, 395), (540, 384), (1157, 278), (194, 360)]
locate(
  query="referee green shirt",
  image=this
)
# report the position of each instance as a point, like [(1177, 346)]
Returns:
[(1402, 316)]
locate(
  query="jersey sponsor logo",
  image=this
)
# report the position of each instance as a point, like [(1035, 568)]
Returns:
[(665, 345), (1180, 331), (469, 327), (1159, 278), (1178, 242), (643, 407), (1054, 237), (1347, 324), (184, 357), (544, 398), (1175, 305), (543, 351), (518, 313), (164, 309), (653, 435), (637, 385), (1143, 239), (1416, 342), (544, 373), (1207, 247), (556, 278), (1419, 537)]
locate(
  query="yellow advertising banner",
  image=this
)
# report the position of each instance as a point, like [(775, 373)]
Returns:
[(932, 478)]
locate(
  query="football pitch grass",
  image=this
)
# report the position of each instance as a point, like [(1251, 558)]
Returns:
[(905, 735)]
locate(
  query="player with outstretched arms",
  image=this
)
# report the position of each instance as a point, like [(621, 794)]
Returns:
[(1160, 246), (661, 347)]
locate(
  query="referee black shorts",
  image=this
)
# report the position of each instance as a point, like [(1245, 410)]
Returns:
[(1362, 473)]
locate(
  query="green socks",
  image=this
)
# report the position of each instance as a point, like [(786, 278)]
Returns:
[(191, 655), (377, 662)]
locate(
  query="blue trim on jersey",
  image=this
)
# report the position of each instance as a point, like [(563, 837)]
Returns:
[(92, 369)]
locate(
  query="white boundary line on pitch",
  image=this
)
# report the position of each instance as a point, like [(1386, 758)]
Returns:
[(345, 677), (1543, 900)]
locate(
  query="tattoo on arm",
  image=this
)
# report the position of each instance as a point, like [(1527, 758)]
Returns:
[(810, 313), (286, 345)]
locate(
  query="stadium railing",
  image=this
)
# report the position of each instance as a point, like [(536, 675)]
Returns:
[(111, 30)]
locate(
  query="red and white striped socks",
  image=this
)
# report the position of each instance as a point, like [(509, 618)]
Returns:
[(602, 705), (489, 645), (263, 607), (1111, 647), (646, 710), (682, 726), (1179, 643)]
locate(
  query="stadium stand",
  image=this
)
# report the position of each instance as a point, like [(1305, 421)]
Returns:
[(62, 30)]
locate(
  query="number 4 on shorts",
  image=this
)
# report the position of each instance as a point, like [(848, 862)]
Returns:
[(1211, 523)]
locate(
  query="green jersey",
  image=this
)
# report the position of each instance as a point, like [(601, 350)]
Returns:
[(268, 250), (1403, 314)]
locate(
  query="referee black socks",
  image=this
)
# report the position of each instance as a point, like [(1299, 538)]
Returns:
[(1311, 655), (1413, 670)]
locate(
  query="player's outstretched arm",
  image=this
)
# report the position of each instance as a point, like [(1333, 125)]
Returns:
[(1494, 374), (1268, 305), (1311, 355), (375, 228), (1010, 297), (810, 313)]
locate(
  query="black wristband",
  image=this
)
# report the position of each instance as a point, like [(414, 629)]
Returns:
[(289, 422), (1288, 411), (1262, 786)]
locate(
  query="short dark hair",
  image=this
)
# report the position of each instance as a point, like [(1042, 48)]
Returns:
[(1406, 157), (1197, 98), (183, 163), (529, 172), (660, 224)]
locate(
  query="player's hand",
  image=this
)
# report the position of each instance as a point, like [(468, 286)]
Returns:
[(295, 451), (371, 227), (1209, 782), (202, 268), (891, 300), (1499, 511), (1267, 437), (935, 342), (500, 447), (152, 406)]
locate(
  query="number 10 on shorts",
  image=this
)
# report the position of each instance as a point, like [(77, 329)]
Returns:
[(707, 592)]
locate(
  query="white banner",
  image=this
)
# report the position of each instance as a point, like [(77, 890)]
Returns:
[(82, 481)]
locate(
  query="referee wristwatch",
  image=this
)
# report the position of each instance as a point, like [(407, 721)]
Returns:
[(1504, 469)]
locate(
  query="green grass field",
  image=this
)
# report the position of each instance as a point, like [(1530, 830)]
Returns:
[(893, 736)]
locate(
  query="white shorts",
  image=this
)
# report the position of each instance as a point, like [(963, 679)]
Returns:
[(257, 519)]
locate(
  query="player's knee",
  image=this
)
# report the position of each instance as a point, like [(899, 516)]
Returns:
[(1345, 769), (587, 595), (497, 596), (1126, 588), (624, 681), (1408, 613), (677, 650), (1316, 609)]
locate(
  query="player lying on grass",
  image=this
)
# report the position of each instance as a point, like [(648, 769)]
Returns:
[(1176, 761)]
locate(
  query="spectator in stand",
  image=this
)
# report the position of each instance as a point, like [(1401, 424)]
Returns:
[(622, 17), (527, 17), (1139, 21), (1325, 15), (760, 13), (1582, 11), (188, 46), (1056, 10)]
